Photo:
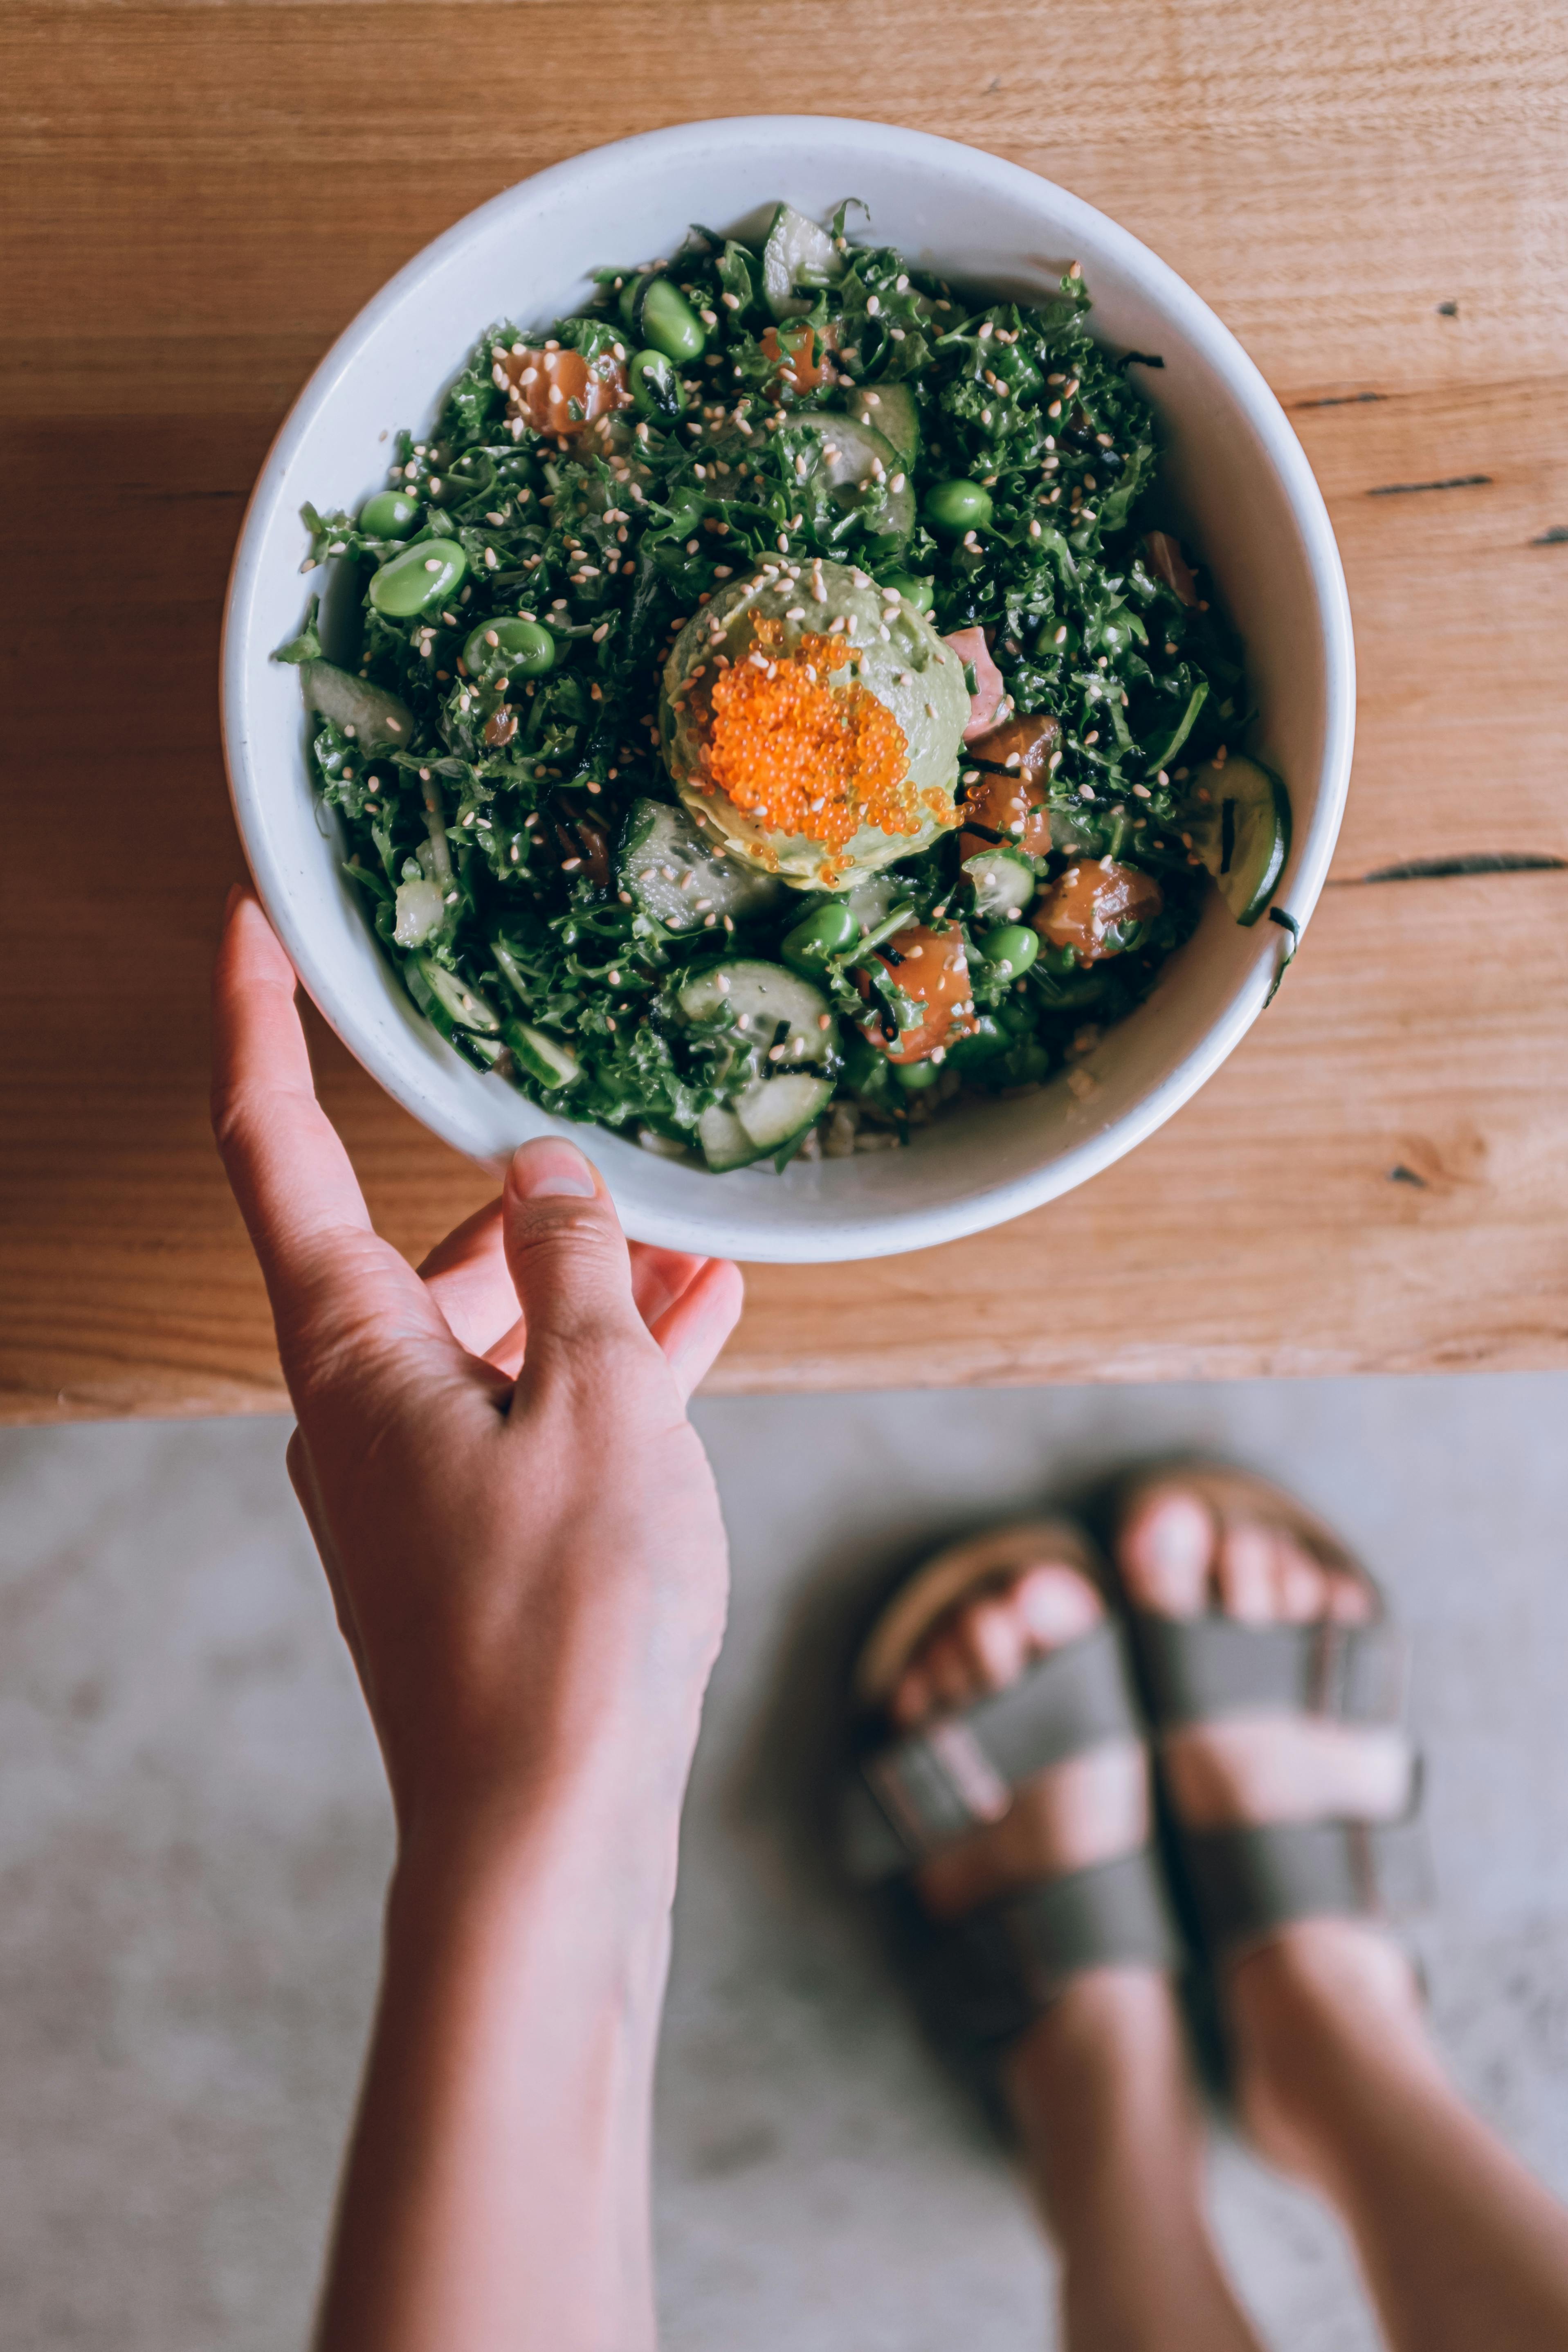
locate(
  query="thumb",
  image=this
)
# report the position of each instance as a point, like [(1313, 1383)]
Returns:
[(566, 1252)]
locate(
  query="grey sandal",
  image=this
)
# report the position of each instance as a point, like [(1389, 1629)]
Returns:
[(1241, 1885), (985, 1977)]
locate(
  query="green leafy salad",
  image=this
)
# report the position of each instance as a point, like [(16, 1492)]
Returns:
[(776, 704)]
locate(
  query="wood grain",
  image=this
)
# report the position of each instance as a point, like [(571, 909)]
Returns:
[(198, 197)]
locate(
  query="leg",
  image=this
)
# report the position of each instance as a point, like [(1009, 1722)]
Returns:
[(1338, 2077), (1113, 2141), (1462, 2247), (1099, 2086)]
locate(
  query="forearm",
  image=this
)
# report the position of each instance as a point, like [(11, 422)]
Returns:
[(496, 2187)]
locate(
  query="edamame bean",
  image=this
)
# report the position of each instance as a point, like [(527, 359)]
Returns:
[(669, 323), (522, 649), (389, 515), (956, 506), (423, 575), (656, 387), (826, 933), (1010, 950), (916, 1077), (984, 1040), (913, 589)]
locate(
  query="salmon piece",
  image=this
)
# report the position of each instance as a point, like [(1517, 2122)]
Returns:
[(932, 967), (545, 386), (1082, 904), (794, 357), (1011, 805), (987, 703)]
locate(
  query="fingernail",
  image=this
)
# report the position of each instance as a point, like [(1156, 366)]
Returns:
[(551, 1170), (236, 893)]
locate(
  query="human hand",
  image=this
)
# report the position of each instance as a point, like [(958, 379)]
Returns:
[(516, 1516)]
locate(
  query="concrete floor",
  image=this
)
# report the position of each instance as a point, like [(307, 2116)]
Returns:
[(194, 1837)]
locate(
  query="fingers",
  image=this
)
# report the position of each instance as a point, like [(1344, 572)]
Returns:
[(659, 1277), (692, 1331), (289, 1173), (331, 1280), (568, 1257), (468, 1276)]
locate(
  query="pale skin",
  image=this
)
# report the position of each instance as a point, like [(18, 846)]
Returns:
[(529, 1567), (1337, 2082)]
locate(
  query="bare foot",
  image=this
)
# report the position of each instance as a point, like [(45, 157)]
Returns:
[(1176, 1561), (1099, 2085), (1086, 1810)]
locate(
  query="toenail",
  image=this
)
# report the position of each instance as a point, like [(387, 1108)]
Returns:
[(1178, 1533)]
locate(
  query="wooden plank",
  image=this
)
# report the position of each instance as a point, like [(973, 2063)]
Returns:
[(1374, 1180)]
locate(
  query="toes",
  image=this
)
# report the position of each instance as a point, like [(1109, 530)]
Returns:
[(913, 1698), (987, 1643), (1054, 1605), (947, 1671), (1167, 1550), (1349, 1600), (1246, 1573), (993, 1641), (1299, 1583)]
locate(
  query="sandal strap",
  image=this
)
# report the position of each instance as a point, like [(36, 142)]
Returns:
[(1247, 1883), (990, 1974), (913, 1795), (1198, 1668)]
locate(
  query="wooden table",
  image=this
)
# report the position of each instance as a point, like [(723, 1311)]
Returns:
[(1374, 195)]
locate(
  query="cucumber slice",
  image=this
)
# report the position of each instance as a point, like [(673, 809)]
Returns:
[(872, 901), (773, 1111), (725, 1143), (890, 409), (484, 1053), (797, 253), (762, 995), (377, 720), (1003, 884), (679, 878), (541, 1056), (855, 473), (1242, 835), (770, 1115), (447, 1003), (774, 1101)]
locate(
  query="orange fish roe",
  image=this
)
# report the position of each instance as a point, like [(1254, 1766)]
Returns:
[(804, 758)]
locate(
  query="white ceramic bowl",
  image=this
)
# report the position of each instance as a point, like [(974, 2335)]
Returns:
[(1254, 509)]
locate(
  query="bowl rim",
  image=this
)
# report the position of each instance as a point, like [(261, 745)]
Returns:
[(894, 1230)]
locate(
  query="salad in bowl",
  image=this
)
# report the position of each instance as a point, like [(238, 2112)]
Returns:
[(775, 708)]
